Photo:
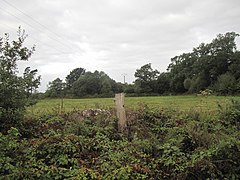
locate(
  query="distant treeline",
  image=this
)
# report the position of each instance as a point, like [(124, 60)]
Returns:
[(214, 66)]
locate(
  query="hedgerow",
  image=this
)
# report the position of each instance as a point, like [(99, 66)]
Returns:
[(157, 144)]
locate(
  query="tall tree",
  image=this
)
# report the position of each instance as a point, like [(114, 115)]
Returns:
[(96, 83), (73, 77), (146, 78), (234, 67), (163, 83), (13, 88), (205, 63), (88, 84), (55, 88)]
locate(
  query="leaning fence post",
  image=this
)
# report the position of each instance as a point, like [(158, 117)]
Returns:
[(121, 115)]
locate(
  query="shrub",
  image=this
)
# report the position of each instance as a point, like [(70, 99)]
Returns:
[(15, 91), (226, 84), (164, 144), (231, 115)]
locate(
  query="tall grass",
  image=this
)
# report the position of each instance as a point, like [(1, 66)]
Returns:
[(208, 104)]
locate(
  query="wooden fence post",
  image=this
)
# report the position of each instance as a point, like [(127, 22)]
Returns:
[(121, 115)]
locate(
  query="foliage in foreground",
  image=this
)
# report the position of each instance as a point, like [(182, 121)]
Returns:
[(158, 144)]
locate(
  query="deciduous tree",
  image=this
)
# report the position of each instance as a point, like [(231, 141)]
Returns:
[(146, 78), (74, 76), (14, 89), (55, 88)]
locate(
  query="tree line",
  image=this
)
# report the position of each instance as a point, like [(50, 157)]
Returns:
[(82, 83), (213, 66)]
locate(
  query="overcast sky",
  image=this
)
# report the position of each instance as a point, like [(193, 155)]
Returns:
[(114, 36)]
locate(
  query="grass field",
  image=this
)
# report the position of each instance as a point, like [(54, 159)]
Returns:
[(182, 103)]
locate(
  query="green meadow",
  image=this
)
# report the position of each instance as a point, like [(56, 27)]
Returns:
[(181, 103)]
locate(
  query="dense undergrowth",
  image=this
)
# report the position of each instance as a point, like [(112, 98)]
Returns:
[(157, 144)]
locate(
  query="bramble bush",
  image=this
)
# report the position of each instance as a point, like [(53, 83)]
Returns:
[(158, 144), (231, 116)]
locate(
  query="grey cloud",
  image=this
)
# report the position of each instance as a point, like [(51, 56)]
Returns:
[(117, 36)]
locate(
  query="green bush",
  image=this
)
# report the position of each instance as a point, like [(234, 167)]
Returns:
[(15, 90), (231, 115), (164, 144)]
